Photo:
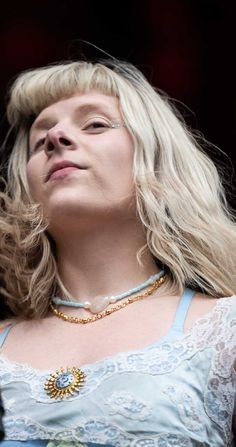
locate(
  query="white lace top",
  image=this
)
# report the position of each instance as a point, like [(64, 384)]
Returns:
[(174, 393)]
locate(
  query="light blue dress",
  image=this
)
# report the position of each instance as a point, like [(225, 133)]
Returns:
[(177, 392)]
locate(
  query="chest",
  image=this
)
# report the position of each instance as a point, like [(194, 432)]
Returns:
[(125, 393), (54, 342)]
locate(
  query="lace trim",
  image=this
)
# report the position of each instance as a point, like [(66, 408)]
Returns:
[(94, 431), (65, 444), (215, 331)]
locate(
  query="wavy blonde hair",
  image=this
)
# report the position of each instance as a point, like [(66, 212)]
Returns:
[(180, 199)]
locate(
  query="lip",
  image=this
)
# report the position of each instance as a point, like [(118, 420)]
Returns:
[(59, 166)]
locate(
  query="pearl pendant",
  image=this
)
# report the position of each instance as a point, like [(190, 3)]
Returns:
[(99, 304), (87, 305)]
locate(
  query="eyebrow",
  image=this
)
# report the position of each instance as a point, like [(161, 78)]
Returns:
[(47, 122)]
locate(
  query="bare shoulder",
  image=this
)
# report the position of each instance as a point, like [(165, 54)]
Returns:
[(6, 323), (200, 306)]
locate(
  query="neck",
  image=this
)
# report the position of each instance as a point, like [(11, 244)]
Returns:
[(103, 263)]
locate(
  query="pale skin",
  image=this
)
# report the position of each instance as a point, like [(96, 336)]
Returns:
[(97, 235)]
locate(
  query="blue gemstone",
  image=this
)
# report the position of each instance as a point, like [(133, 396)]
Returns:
[(64, 380)]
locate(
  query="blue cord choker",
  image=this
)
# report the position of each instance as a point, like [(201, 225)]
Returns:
[(101, 303)]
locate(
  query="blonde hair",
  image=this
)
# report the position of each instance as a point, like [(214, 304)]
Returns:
[(180, 199)]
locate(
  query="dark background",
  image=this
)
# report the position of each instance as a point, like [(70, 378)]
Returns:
[(186, 48)]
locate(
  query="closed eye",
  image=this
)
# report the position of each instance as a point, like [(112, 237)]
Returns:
[(96, 125)]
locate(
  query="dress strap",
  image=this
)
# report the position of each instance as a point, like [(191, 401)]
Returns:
[(4, 331), (182, 310)]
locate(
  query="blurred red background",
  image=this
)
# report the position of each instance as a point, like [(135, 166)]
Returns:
[(185, 48)]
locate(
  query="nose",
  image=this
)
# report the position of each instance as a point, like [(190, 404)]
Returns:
[(57, 140)]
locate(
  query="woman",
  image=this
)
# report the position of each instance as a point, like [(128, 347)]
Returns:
[(118, 267)]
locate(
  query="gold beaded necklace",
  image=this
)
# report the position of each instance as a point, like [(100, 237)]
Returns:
[(107, 312), (65, 382)]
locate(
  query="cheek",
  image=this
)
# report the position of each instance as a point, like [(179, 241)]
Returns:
[(123, 157), (33, 177), (121, 151), (120, 167)]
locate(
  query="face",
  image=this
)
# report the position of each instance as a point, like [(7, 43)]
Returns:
[(81, 158)]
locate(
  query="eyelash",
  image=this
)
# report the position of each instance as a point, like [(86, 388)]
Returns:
[(101, 122)]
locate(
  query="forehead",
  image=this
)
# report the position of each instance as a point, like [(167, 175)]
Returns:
[(80, 104)]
